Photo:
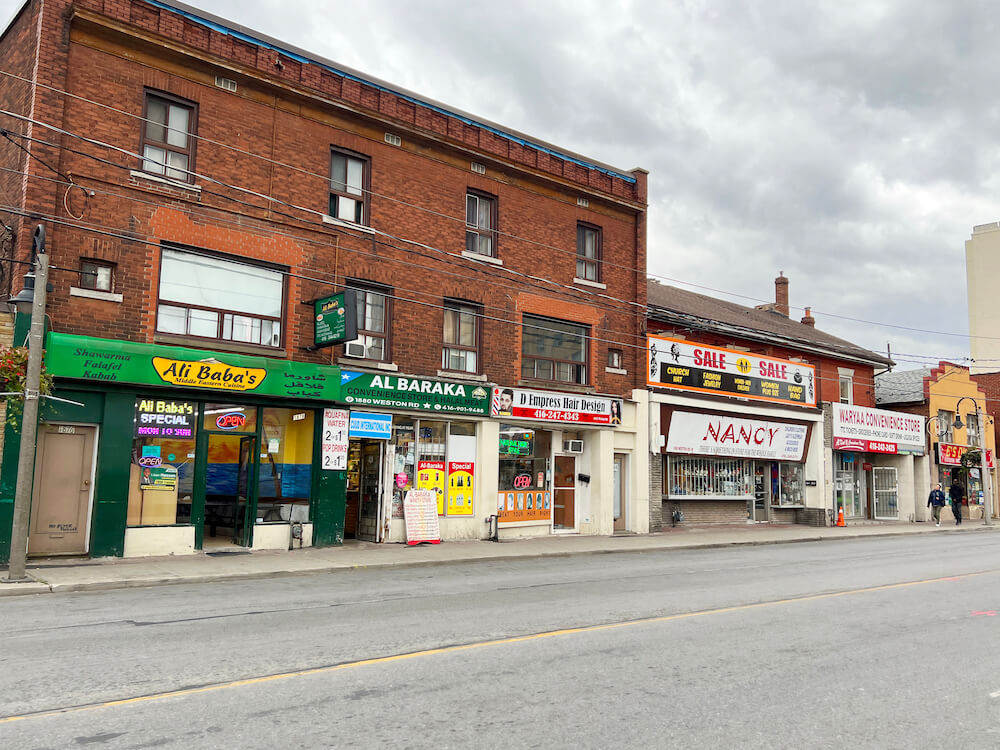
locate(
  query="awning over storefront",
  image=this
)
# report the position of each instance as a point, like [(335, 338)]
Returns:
[(107, 361)]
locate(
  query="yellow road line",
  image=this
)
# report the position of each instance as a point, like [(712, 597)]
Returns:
[(479, 644)]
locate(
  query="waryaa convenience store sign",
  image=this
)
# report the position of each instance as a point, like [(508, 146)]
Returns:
[(868, 430)]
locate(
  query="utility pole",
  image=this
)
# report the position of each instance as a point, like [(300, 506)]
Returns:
[(987, 479), (37, 283)]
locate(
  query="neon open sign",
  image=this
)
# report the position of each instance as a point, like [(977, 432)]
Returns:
[(231, 421), (522, 481)]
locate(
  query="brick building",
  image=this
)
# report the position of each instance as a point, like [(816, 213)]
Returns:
[(207, 191), (764, 418)]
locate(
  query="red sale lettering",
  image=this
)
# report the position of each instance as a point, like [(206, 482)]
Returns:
[(708, 358)]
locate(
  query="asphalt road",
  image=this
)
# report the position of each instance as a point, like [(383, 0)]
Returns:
[(883, 643)]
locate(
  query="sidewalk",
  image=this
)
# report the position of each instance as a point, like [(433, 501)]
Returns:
[(56, 575)]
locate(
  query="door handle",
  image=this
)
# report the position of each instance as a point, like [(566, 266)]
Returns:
[(86, 482)]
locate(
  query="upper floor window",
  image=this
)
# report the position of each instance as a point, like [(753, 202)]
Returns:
[(554, 350), (972, 431), (480, 224), (97, 276), (373, 317), (946, 430), (588, 252), (214, 298), (616, 359), (846, 389), (167, 136), (461, 338), (349, 176)]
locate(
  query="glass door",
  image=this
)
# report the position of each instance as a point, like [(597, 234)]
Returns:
[(848, 495), (763, 490), (226, 474), (886, 502), (370, 491), (564, 500)]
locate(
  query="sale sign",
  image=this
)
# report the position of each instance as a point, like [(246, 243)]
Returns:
[(430, 476), (460, 487)]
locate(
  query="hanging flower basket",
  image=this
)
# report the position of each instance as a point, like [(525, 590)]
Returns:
[(13, 367)]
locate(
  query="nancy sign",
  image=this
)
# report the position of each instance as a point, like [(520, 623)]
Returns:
[(690, 366), (868, 430), (719, 435)]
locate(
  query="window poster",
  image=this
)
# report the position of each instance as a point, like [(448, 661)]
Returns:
[(460, 478), (430, 476), (523, 506), (162, 477)]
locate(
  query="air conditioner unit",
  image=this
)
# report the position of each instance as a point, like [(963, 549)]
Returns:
[(355, 349), (573, 446)]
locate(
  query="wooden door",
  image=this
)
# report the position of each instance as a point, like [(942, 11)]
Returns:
[(60, 506), (620, 483), (564, 493)]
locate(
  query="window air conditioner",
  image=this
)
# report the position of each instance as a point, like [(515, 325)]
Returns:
[(573, 446), (355, 349)]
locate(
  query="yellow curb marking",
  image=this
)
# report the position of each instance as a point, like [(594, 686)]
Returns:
[(478, 644)]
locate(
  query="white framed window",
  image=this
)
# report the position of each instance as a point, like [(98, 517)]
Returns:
[(373, 318), (460, 351), (167, 142), (349, 176), (480, 224)]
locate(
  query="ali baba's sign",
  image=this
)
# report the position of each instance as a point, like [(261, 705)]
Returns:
[(420, 394), (690, 366), (103, 360)]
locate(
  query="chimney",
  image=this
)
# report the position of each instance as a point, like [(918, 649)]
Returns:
[(781, 294), (808, 319)]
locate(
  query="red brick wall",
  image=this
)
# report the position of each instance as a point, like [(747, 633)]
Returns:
[(418, 194)]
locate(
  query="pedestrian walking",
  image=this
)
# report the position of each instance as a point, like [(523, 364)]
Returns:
[(936, 501), (957, 492)]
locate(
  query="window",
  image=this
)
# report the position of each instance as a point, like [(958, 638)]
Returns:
[(349, 176), (373, 313), (972, 430), (709, 477), (946, 432), (480, 224), (213, 298), (97, 276), (167, 142), (846, 388), (554, 350), (588, 252), (461, 338), (615, 359)]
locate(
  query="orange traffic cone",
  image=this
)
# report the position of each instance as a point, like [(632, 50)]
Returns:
[(840, 516)]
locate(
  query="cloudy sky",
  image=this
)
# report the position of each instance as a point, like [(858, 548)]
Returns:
[(851, 145)]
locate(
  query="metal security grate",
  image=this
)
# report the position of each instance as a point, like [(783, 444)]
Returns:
[(886, 492)]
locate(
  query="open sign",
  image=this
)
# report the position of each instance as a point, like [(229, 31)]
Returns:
[(231, 421), (150, 461), (522, 481)]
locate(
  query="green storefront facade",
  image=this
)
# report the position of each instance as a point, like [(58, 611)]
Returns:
[(169, 450)]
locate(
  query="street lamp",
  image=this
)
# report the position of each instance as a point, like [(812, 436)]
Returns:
[(987, 479), (30, 299)]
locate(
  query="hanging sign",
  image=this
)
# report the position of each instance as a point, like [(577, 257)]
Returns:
[(420, 511), (335, 443), (719, 435), (690, 366), (335, 318), (165, 418), (420, 394), (460, 474), (549, 406)]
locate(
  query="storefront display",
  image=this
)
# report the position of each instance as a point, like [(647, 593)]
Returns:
[(525, 487)]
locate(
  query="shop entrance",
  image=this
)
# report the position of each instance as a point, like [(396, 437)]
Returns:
[(564, 500), (762, 491), (619, 490), (63, 478), (227, 452), (364, 517)]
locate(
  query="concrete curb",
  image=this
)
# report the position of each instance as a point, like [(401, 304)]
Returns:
[(40, 586)]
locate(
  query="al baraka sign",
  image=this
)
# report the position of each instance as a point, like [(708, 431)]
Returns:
[(690, 366), (719, 435), (867, 430)]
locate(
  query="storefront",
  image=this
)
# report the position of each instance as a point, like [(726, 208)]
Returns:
[(413, 433), (563, 462), (950, 468), (748, 460), (872, 461), (169, 450)]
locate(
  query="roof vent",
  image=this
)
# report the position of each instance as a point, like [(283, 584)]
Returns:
[(393, 140), (478, 168), (583, 203), (225, 83)]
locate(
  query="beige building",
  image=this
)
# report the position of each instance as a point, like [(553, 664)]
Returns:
[(982, 268)]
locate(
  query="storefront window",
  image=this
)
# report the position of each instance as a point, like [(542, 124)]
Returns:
[(230, 418), (525, 485), (791, 485), (438, 456), (161, 473), (284, 482), (404, 448), (710, 477)]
